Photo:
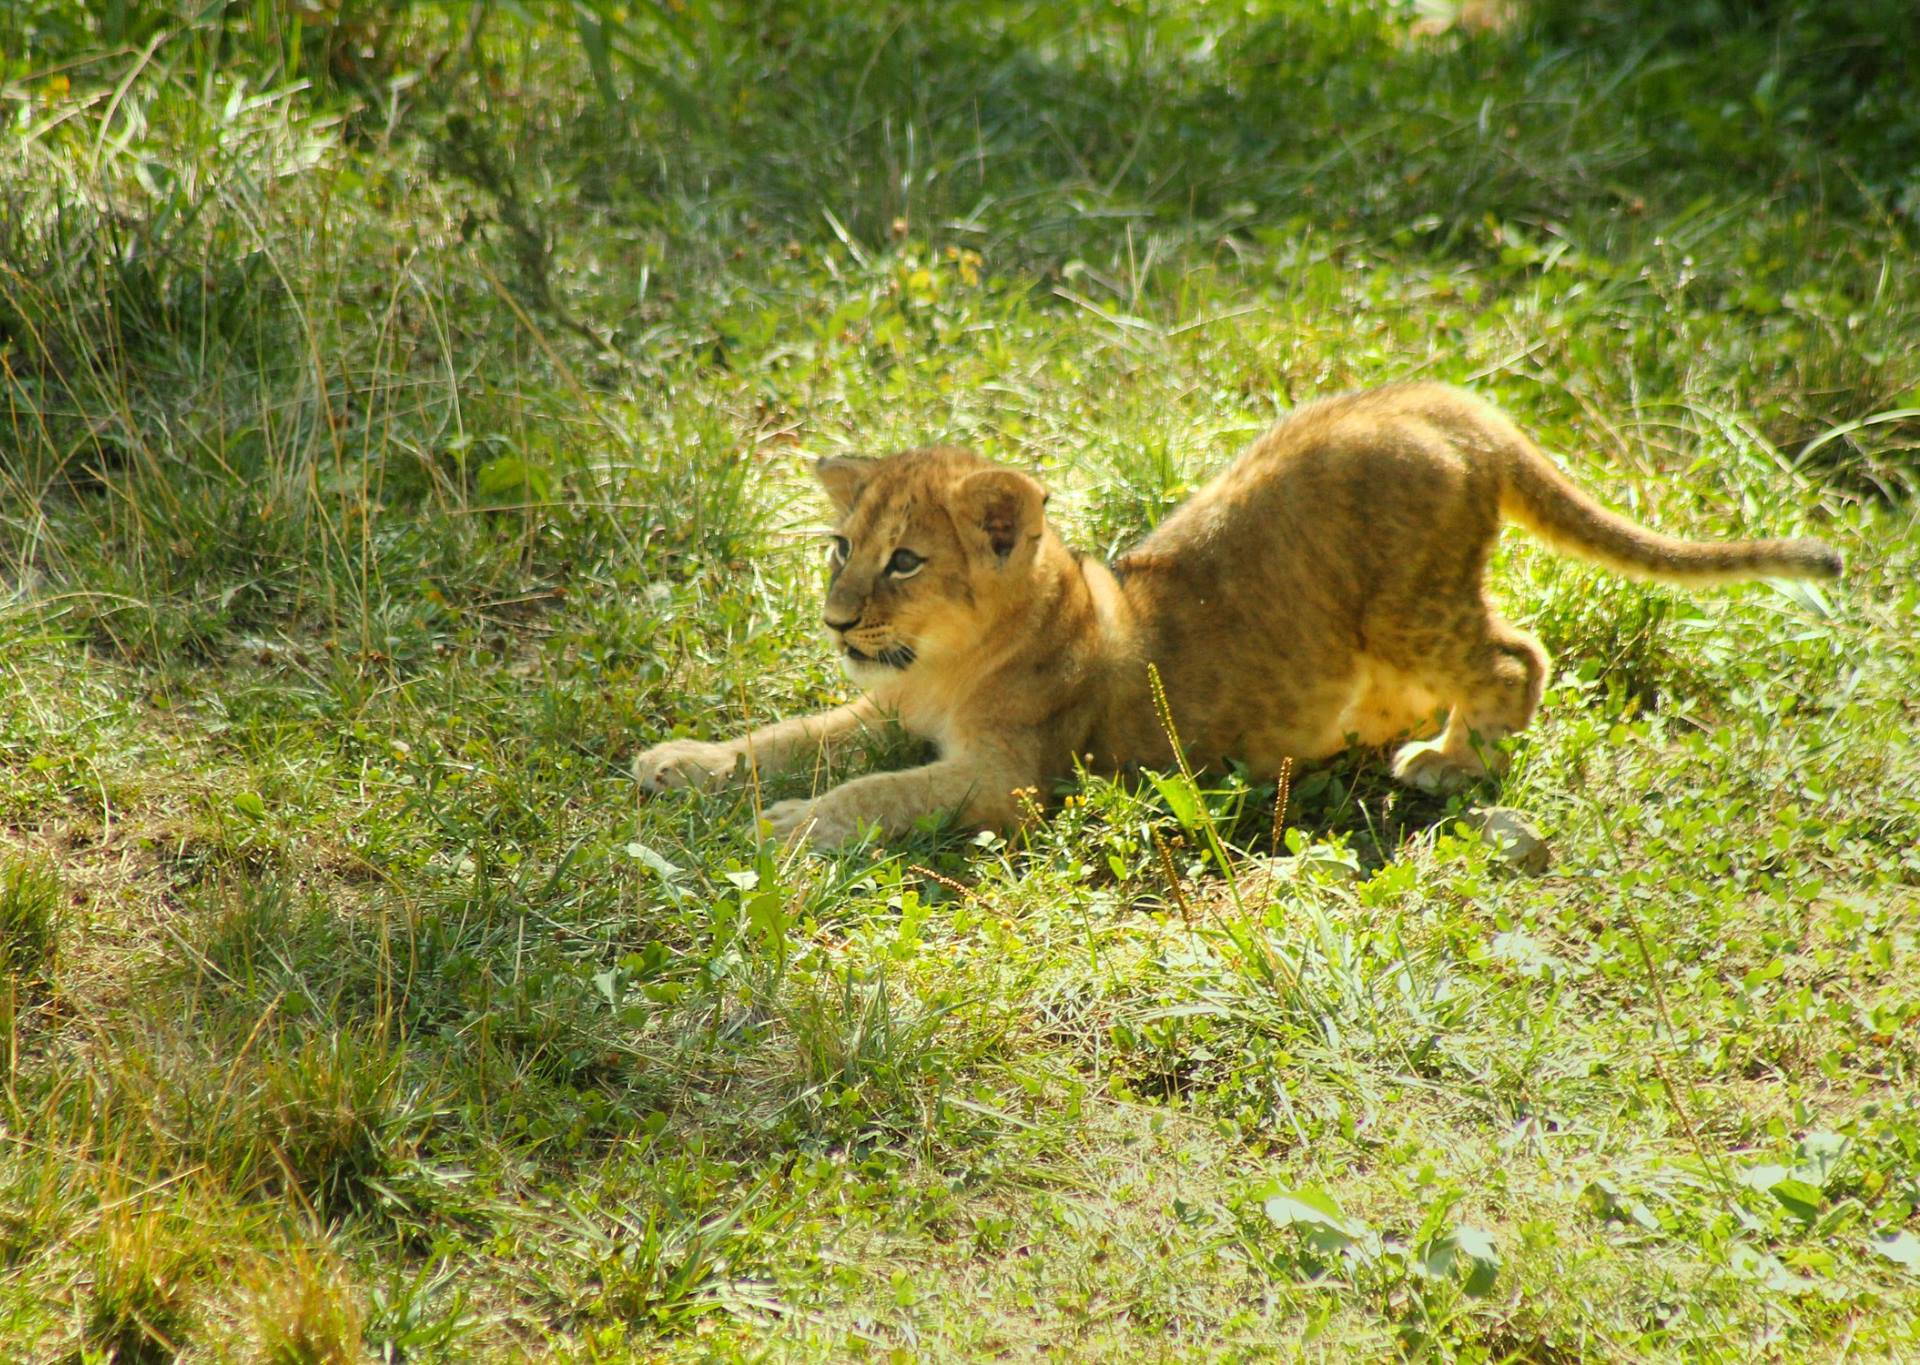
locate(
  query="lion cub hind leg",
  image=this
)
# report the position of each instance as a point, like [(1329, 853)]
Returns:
[(1492, 685), (1388, 704)]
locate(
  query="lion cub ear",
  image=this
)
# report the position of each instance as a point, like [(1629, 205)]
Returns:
[(1004, 507), (845, 478)]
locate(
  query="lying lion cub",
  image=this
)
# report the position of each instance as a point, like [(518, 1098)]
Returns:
[(1325, 590)]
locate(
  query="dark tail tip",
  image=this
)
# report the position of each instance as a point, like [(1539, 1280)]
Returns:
[(1822, 559)]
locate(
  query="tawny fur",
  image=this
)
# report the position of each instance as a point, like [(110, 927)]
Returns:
[(1325, 589)]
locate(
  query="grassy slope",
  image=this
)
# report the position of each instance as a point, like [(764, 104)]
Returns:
[(383, 467)]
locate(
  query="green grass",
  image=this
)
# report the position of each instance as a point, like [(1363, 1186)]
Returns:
[(404, 418)]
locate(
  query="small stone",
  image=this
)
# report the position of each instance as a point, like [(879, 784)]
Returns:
[(1517, 839)]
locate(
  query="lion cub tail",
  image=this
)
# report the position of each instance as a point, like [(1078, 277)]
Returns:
[(1538, 496)]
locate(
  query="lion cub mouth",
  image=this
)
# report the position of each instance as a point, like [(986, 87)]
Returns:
[(893, 656)]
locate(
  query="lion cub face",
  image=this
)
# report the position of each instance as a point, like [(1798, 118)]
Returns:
[(931, 549)]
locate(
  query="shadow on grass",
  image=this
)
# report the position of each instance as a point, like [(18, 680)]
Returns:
[(1759, 153), (1053, 130)]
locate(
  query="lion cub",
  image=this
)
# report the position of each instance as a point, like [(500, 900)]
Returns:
[(1324, 590)]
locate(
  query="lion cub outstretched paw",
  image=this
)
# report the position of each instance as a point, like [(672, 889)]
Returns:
[(695, 763), (1427, 765)]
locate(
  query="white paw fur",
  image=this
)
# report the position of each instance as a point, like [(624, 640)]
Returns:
[(816, 820), (692, 763), (1428, 767)]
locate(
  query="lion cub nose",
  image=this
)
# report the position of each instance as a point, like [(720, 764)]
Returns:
[(847, 624)]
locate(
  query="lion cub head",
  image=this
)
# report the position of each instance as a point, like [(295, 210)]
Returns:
[(932, 548)]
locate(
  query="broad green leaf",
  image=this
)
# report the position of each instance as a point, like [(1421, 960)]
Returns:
[(1314, 1214), (593, 41), (1902, 1248), (1309, 1205), (1472, 1246), (1180, 797), (1610, 1201), (766, 913), (1483, 1256), (655, 860), (668, 872), (1820, 1153), (1436, 1219), (1766, 1269), (1801, 1199), (508, 478)]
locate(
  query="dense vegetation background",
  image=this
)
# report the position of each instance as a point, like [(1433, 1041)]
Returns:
[(404, 413)]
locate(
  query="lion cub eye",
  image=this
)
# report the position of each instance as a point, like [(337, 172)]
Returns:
[(837, 550), (904, 564)]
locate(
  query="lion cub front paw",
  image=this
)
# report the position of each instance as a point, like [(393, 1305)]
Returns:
[(1429, 767), (692, 763), (817, 820)]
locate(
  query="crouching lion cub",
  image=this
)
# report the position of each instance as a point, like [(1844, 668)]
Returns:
[(1324, 590)]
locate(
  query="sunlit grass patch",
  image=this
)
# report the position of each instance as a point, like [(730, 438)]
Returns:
[(302, 1308), (407, 416), (30, 902), (141, 1303)]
